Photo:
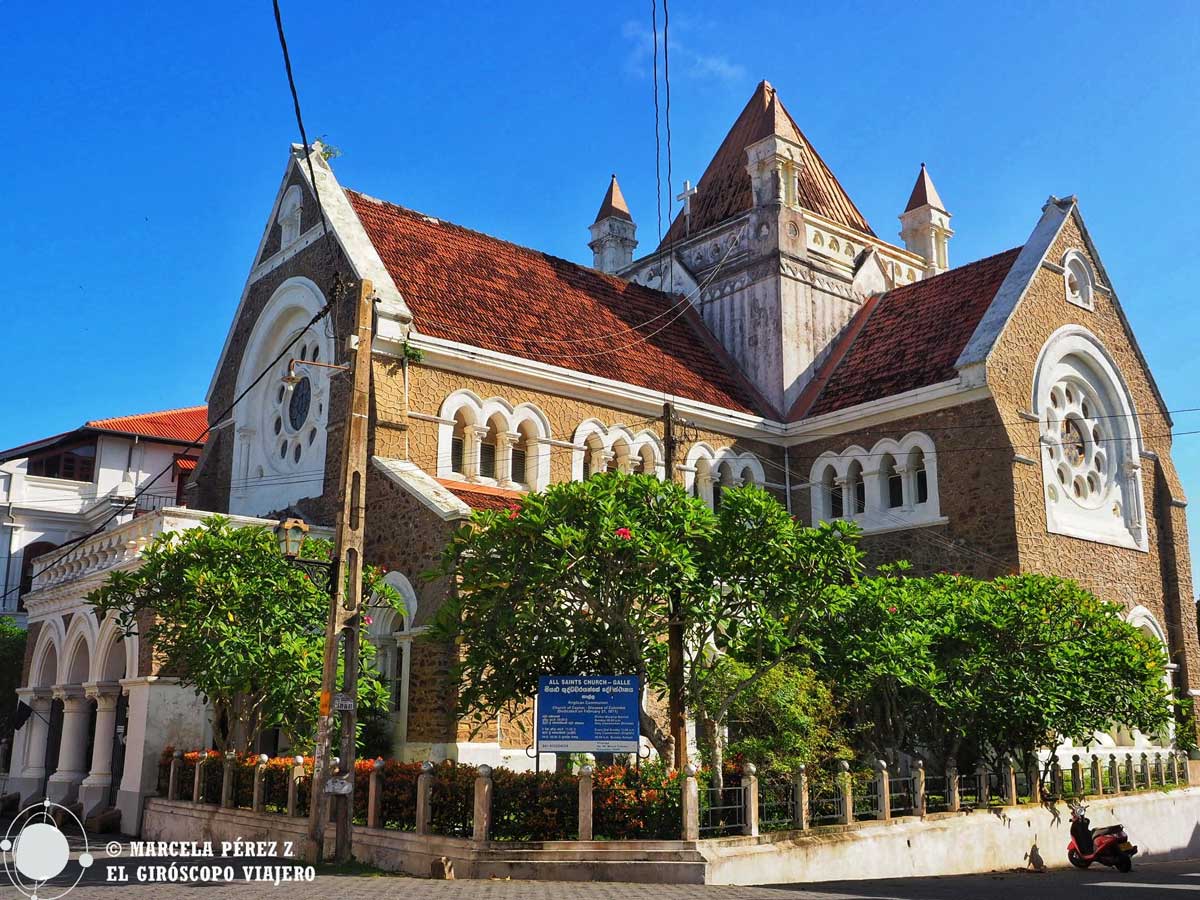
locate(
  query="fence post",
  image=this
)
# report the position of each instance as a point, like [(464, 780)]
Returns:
[(883, 791), (1173, 767), (953, 801), (375, 793), (801, 811), (198, 785), (1076, 776), (294, 784), (481, 821), (424, 797), (846, 790), (1114, 773), (1145, 771), (258, 803), (919, 788), (982, 787), (585, 803), (1129, 776), (1159, 776), (1097, 776), (691, 804), (1185, 774), (1056, 778), (1009, 788), (1034, 777), (173, 778), (228, 761), (750, 799)]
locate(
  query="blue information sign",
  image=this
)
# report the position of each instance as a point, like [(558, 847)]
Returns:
[(588, 713)]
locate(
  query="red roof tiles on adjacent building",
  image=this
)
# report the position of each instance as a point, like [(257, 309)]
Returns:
[(482, 496), (479, 290), (724, 190), (910, 338), (182, 425)]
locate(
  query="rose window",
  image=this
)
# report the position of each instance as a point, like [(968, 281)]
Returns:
[(294, 414), (1076, 441)]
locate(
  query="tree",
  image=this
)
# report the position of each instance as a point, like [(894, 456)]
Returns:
[(12, 649), (226, 612), (576, 580), (951, 665), (774, 581)]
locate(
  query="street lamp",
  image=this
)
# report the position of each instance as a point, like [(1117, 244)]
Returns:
[(291, 534)]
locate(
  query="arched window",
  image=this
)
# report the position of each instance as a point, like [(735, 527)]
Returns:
[(620, 459), (856, 487), (489, 448), (1091, 456), (458, 443), (523, 465), (725, 479), (918, 476), (831, 491), (891, 482)]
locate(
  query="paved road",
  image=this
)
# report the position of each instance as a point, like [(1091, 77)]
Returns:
[(1148, 880)]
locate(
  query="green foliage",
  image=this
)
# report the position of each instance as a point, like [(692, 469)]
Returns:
[(788, 719), (962, 668), (12, 652), (226, 612), (578, 580)]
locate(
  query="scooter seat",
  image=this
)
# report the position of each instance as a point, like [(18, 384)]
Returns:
[(1111, 829)]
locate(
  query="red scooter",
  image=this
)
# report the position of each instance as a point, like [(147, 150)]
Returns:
[(1108, 846)]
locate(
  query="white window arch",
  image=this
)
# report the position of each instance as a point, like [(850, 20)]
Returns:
[(280, 430), (1079, 280), (492, 442), (601, 448), (1090, 442), (707, 472), (290, 209), (893, 485)]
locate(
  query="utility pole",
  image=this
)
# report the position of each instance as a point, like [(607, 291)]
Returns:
[(676, 713), (341, 632)]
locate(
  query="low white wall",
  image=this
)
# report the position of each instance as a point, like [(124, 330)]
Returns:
[(1164, 825)]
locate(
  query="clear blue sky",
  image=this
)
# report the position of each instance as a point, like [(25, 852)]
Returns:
[(146, 142)]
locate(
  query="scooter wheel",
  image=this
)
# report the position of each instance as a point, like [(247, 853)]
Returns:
[(1076, 860), (1123, 863)]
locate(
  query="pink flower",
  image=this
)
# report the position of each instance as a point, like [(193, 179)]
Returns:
[(892, 609), (513, 512), (368, 620), (623, 533)]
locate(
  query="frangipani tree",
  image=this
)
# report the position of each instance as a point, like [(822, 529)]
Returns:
[(224, 611)]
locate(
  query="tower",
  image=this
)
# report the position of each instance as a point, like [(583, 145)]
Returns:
[(925, 225), (613, 232)]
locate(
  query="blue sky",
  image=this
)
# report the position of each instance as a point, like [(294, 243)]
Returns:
[(146, 142)]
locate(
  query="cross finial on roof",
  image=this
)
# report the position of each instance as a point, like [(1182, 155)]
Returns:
[(685, 197)]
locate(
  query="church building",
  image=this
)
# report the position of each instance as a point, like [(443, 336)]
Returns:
[(985, 418)]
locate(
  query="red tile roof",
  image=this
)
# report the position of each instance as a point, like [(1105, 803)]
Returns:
[(482, 496), (724, 189), (909, 338), (186, 463), (182, 425), (479, 290)]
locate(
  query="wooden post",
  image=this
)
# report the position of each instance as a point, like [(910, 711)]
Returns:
[(919, 788), (1009, 772), (342, 626), (676, 714), (173, 778), (375, 794), (953, 800), (481, 821), (1097, 776), (981, 786), (425, 798), (585, 803), (1076, 776), (750, 800), (227, 763), (259, 802), (845, 789), (801, 803), (198, 784), (691, 805), (294, 785), (1114, 773), (883, 791)]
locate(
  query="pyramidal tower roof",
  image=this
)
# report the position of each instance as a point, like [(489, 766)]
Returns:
[(724, 189), (924, 193), (614, 204)]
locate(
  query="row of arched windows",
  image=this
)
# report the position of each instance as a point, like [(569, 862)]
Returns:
[(892, 485), (493, 442)]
